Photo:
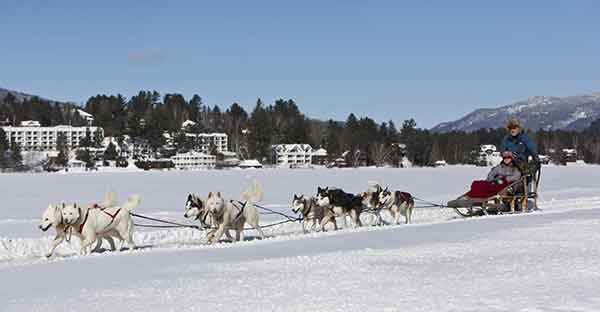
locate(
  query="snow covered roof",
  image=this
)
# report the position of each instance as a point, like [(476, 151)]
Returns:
[(320, 152), (248, 163), (440, 163), (30, 123), (287, 148), (188, 123), (84, 114)]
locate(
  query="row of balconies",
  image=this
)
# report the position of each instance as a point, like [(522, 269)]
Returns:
[(191, 158), (194, 164), (20, 133)]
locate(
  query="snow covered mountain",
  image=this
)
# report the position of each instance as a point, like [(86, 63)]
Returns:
[(19, 95), (538, 112)]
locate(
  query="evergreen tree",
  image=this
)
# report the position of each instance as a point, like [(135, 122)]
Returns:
[(4, 146), (63, 150), (333, 142), (16, 159), (111, 152), (83, 154), (261, 131), (238, 118)]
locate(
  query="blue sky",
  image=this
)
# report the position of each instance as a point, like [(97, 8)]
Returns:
[(431, 60)]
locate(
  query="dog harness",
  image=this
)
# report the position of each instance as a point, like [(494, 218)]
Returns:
[(95, 206), (243, 205), (84, 220)]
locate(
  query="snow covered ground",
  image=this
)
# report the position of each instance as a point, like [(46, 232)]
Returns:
[(545, 261)]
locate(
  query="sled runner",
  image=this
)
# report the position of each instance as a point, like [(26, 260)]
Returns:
[(519, 196)]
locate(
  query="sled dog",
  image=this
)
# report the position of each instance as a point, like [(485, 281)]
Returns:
[(399, 203), (91, 222), (231, 214), (371, 202), (311, 212), (52, 217), (341, 204), (195, 207)]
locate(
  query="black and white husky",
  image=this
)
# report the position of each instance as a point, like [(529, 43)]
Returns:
[(195, 207), (341, 204), (312, 213), (399, 204)]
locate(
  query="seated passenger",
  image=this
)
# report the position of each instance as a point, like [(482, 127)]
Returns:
[(506, 171), (499, 177)]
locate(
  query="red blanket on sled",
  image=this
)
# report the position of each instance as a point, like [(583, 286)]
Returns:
[(483, 189)]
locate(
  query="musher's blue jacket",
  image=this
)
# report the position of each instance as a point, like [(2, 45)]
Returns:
[(521, 146)]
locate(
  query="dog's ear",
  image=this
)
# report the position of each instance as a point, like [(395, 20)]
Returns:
[(219, 194), (301, 196), (63, 205), (295, 196), (209, 194)]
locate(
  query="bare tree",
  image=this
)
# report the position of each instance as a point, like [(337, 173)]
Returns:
[(380, 154)]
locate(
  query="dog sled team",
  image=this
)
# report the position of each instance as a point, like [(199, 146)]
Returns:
[(110, 222)]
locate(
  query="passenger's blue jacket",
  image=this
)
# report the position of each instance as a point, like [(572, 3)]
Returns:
[(521, 146)]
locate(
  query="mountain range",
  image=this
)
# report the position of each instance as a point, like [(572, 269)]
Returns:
[(19, 95), (538, 112)]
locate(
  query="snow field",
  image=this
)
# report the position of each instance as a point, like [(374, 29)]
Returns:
[(544, 261)]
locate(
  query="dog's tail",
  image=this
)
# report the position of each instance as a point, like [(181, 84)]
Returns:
[(110, 199), (254, 194), (132, 202)]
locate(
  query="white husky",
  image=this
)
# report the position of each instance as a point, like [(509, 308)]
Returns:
[(90, 222), (231, 214), (52, 217), (195, 207)]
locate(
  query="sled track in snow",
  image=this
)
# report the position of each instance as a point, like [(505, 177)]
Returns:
[(23, 251)]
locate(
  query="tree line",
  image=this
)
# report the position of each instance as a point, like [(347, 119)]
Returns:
[(147, 115)]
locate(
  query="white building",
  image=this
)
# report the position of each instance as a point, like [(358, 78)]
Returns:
[(292, 154), (193, 160), (87, 116), (32, 137), (319, 157), (206, 140)]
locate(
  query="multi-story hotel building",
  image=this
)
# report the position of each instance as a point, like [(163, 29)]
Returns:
[(292, 154), (30, 136), (205, 140), (193, 160)]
